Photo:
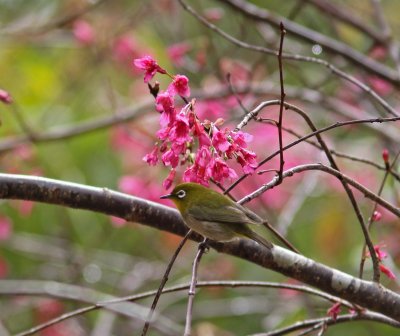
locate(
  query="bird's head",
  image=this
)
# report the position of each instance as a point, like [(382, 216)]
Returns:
[(185, 194)]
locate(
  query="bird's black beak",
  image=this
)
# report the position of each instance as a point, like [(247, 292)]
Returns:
[(166, 196)]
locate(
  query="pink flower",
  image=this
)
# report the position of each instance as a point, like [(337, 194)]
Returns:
[(247, 161), (170, 179), (180, 129), (180, 86), (387, 272), (5, 228), (152, 157), (334, 311), (178, 148), (219, 140), (5, 97), (203, 157), (83, 32), (193, 174), (177, 51), (150, 67), (165, 104), (376, 216), (241, 138), (219, 170), (379, 253), (199, 172), (169, 158), (199, 132)]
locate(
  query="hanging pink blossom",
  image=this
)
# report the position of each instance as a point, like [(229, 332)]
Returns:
[(180, 86), (334, 311), (387, 271), (150, 67), (170, 179), (152, 157)]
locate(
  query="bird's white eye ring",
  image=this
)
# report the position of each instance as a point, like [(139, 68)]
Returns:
[(181, 194)]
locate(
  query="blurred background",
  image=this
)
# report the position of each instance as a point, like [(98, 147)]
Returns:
[(81, 112)]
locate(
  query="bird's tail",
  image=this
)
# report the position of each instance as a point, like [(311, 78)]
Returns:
[(258, 239)]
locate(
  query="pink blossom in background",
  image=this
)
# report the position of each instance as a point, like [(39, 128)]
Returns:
[(83, 32), (201, 58), (381, 86), (150, 67), (214, 14), (47, 309), (5, 228), (387, 271), (117, 222), (238, 70), (4, 270), (211, 109), (378, 52), (131, 185), (25, 208), (178, 51), (180, 86), (124, 49), (150, 190), (5, 97)]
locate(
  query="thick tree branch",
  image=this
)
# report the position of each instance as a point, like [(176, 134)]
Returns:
[(364, 293)]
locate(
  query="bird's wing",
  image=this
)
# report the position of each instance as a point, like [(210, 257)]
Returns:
[(234, 213)]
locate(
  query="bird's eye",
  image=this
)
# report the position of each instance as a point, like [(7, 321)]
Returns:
[(181, 194)]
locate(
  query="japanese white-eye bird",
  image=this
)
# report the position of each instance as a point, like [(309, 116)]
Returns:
[(213, 215)]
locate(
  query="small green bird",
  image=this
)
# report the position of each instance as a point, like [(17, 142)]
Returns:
[(214, 215)]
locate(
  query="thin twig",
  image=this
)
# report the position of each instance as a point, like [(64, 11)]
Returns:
[(296, 57), (163, 282), (321, 130), (319, 166), (202, 284), (371, 217), (258, 14), (281, 159), (192, 289)]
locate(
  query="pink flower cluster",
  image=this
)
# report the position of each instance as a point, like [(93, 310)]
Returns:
[(181, 133)]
